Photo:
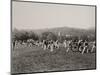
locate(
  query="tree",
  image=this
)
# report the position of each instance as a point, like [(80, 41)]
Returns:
[(33, 36), (48, 36), (52, 36), (84, 37)]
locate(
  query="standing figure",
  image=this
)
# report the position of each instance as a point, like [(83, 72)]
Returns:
[(51, 46), (13, 44), (65, 43), (80, 45), (56, 44), (85, 47), (69, 45), (93, 47)]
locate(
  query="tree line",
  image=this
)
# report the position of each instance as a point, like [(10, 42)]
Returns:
[(25, 35)]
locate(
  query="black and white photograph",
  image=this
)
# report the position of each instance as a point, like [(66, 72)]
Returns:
[(52, 37)]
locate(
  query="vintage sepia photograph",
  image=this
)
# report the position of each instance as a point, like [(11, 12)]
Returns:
[(52, 37)]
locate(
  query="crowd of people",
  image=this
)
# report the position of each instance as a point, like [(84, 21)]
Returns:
[(82, 46)]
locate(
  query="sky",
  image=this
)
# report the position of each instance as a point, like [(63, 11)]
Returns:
[(27, 15)]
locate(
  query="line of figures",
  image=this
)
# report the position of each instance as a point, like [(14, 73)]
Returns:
[(82, 46)]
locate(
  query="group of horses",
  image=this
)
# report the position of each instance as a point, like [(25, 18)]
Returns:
[(82, 46)]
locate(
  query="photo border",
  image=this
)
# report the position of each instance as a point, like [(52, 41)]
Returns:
[(56, 4)]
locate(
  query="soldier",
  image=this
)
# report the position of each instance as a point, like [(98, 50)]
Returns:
[(93, 46), (65, 43), (51, 46), (85, 47), (69, 45)]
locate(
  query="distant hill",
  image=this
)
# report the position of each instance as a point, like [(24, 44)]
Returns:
[(64, 31), (68, 31)]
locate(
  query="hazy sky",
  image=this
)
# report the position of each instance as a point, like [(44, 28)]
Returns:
[(27, 15)]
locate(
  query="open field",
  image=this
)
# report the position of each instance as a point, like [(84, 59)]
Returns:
[(35, 59)]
